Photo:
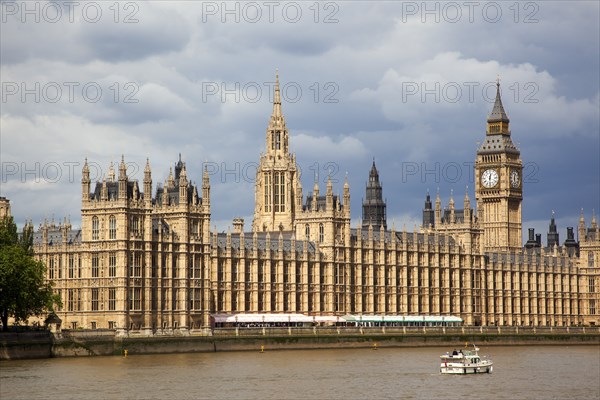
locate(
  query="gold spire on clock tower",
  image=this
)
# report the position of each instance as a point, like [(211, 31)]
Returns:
[(498, 186), (497, 122)]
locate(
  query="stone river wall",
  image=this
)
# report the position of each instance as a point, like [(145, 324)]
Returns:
[(43, 344)]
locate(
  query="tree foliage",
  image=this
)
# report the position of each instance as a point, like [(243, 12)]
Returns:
[(23, 289)]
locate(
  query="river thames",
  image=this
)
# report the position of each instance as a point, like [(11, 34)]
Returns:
[(520, 372)]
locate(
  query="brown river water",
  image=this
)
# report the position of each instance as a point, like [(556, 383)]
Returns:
[(520, 372)]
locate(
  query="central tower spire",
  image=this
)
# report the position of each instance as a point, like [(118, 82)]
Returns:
[(277, 133), (277, 99), (276, 180)]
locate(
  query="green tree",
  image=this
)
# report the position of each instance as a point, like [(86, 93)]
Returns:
[(23, 289)]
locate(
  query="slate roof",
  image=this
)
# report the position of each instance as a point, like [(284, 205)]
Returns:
[(459, 215), (55, 236), (321, 202), (498, 114), (409, 237), (262, 242), (113, 190), (173, 194), (498, 143)]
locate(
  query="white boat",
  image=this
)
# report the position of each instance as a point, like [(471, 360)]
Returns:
[(465, 362)]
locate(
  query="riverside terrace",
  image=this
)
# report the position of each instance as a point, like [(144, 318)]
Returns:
[(68, 343)]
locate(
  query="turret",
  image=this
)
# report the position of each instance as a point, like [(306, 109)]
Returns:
[(195, 196), (346, 197), (298, 194), (122, 179), (165, 195), (104, 190), (329, 195), (552, 236), (451, 207), (581, 227), (170, 179), (467, 207), (179, 167), (374, 208), (428, 215), (183, 183), (205, 187), (315, 194), (147, 184), (111, 172), (438, 209), (85, 183)]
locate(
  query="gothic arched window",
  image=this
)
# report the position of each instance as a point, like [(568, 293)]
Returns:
[(95, 228), (135, 225), (321, 233), (112, 227), (268, 192), (590, 259), (307, 232), (279, 187)]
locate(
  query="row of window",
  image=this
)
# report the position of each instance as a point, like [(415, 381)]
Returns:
[(135, 226), (274, 192), (73, 301), (136, 263), (378, 302), (321, 232), (499, 305), (112, 265), (55, 270)]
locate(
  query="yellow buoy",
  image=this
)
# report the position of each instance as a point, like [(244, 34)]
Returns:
[(125, 353), (374, 346), (262, 349)]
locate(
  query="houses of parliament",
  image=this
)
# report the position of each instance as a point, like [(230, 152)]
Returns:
[(151, 263)]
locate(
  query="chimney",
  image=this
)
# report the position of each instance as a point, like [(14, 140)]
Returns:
[(238, 225), (534, 240), (570, 243)]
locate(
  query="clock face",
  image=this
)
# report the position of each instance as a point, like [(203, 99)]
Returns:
[(515, 181), (489, 178)]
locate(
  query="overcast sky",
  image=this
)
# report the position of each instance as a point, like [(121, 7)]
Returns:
[(409, 84)]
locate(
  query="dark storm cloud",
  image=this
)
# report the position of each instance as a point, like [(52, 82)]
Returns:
[(156, 32), (370, 54), (82, 34)]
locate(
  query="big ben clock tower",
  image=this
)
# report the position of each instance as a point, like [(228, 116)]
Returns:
[(498, 183)]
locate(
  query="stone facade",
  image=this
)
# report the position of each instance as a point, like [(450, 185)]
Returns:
[(4, 207), (152, 264)]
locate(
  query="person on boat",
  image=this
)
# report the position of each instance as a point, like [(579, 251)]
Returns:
[(454, 352)]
